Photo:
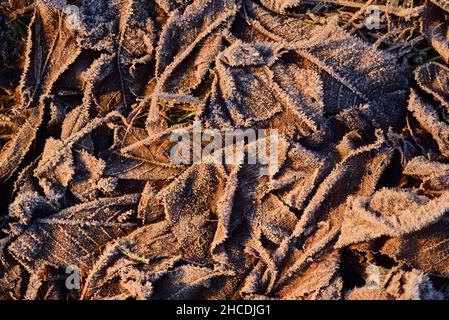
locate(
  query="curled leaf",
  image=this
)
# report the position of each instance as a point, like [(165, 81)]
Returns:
[(436, 28), (390, 212)]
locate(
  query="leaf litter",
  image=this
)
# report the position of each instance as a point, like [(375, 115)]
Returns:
[(363, 176)]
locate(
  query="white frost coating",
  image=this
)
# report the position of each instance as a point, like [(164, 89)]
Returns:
[(73, 16), (73, 19)]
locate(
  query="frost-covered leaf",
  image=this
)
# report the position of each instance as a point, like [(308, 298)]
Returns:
[(141, 157), (125, 26), (248, 97), (322, 86), (434, 79), (289, 262), (50, 49), (281, 6), (61, 174), (56, 167), (398, 285), (126, 30), (148, 252), (14, 150), (202, 24), (12, 275), (27, 205), (300, 175), (190, 204), (430, 121), (434, 175), (191, 39), (436, 28), (107, 88), (185, 282), (73, 236), (312, 279), (75, 121), (390, 212), (88, 178), (378, 82), (274, 27), (316, 229), (10, 282), (149, 209), (355, 172), (422, 167), (273, 220), (142, 265), (441, 3), (426, 250)]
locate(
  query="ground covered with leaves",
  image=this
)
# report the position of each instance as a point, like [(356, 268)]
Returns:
[(91, 91)]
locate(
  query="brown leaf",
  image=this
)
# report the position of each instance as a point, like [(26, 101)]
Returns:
[(434, 79), (190, 204), (436, 29), (434, 175), (107, 88), (15, 150), (312, 279), (190, 41), (390, 212), (73, 236), (185, 282), (398, 285), (430, 121), (10, 282), (303, 171), (426, 250), (141, 157), (441, 3), (50, 49), (338, 100), (124, 27), (148, 252), (281, 6), (248, 96), (274, 27)]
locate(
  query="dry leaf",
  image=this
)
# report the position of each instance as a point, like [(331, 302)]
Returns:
[(430, 121), (281, 6), (150, 251), (390, 212), (188, 44), (436, 28), (362, 174), (191, 206), (141, 157), (73, 236), (398, 285), (425, 250), (434, 79)]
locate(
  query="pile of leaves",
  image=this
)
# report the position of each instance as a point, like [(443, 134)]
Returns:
[(362, 187)]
